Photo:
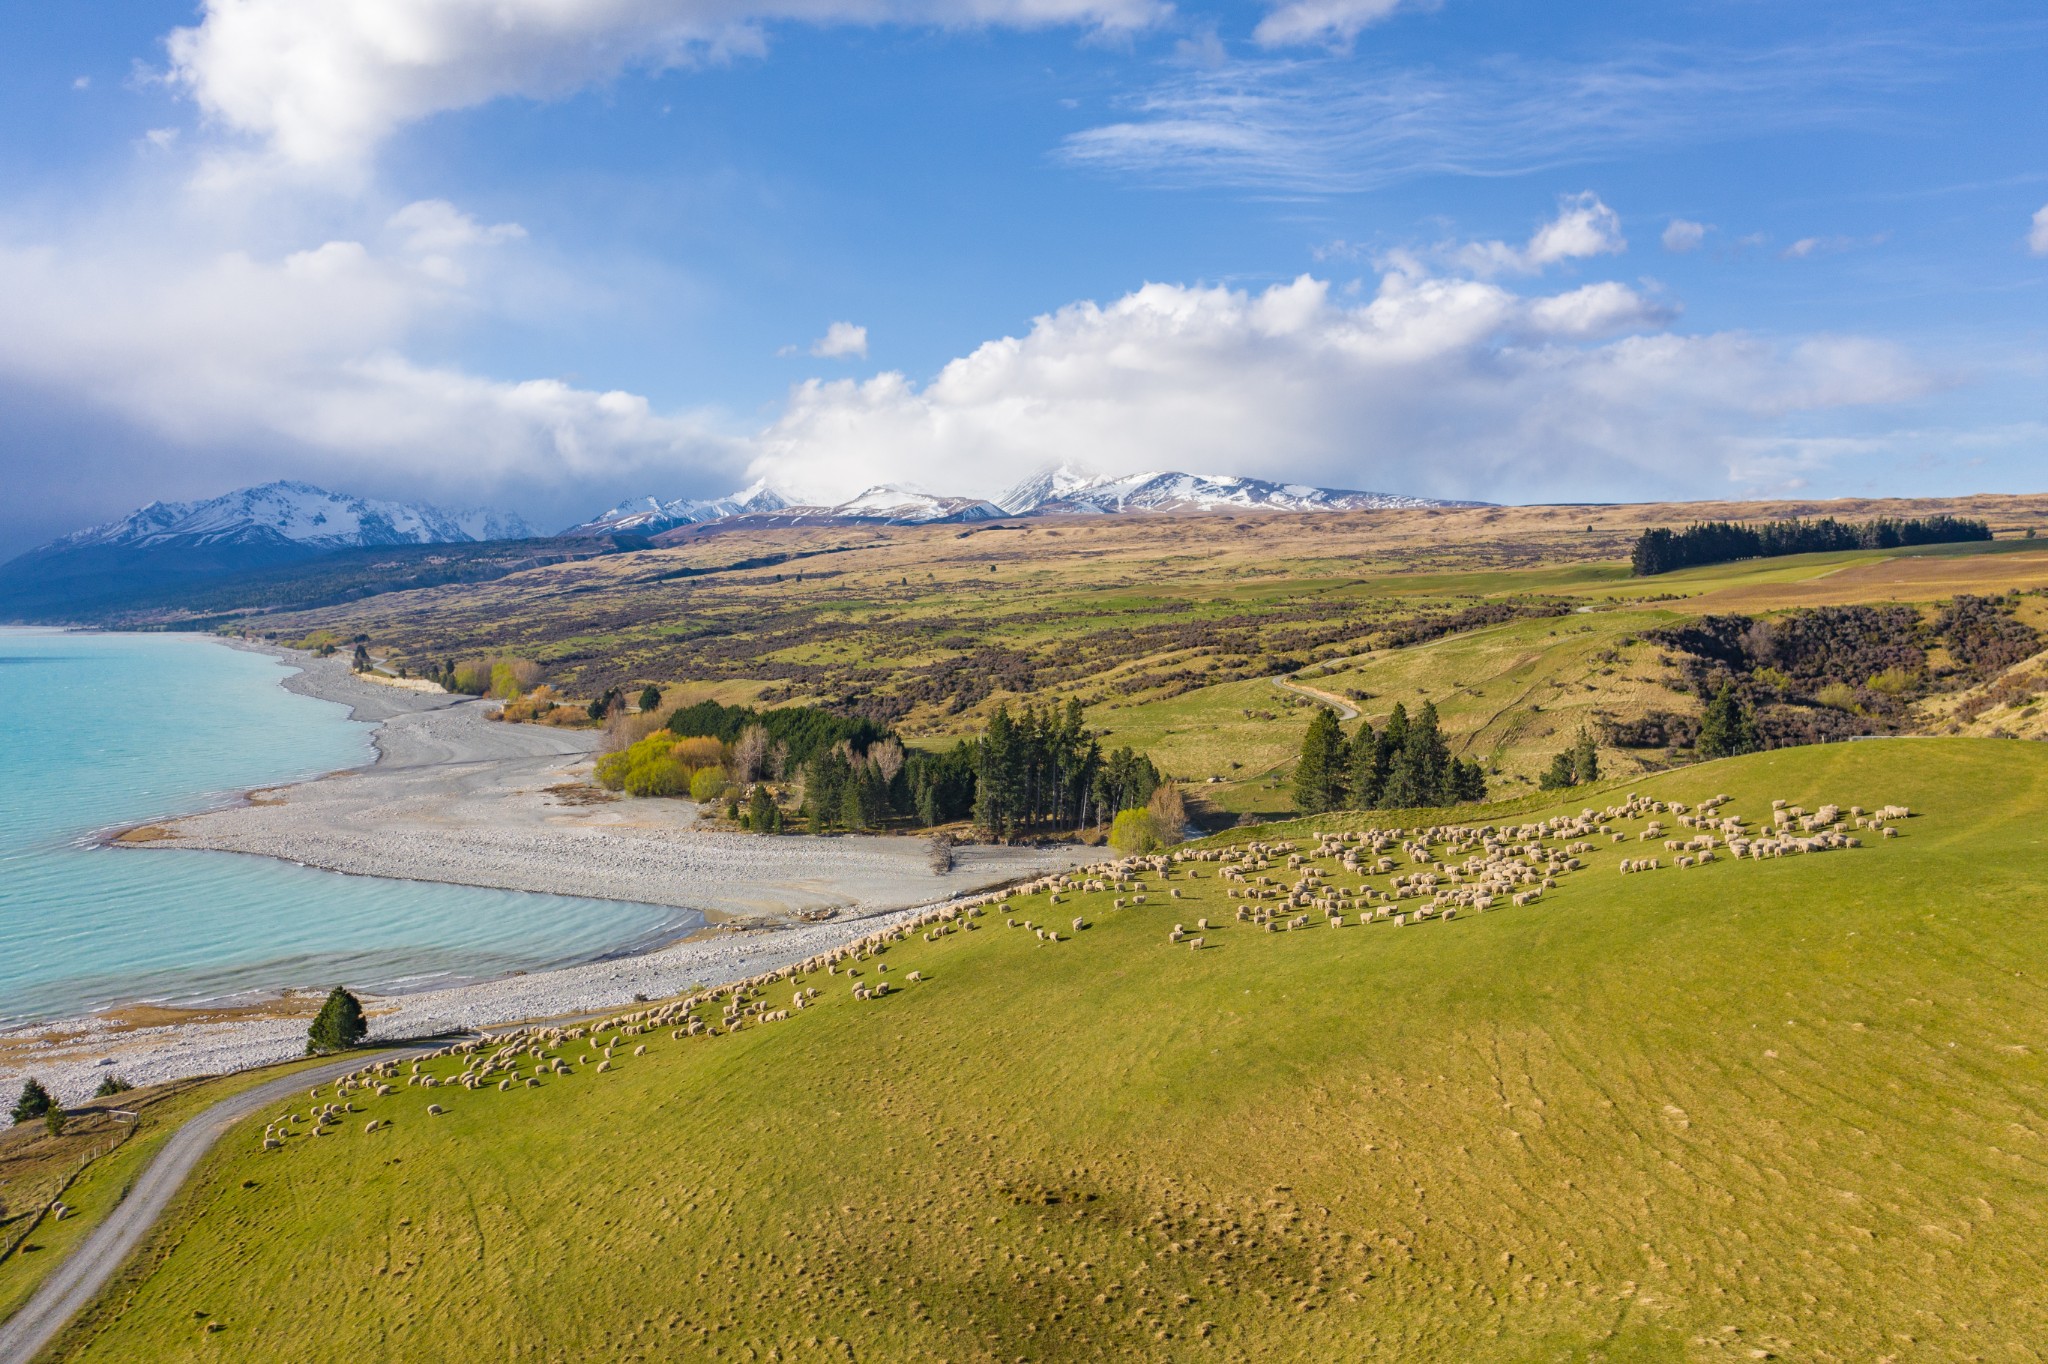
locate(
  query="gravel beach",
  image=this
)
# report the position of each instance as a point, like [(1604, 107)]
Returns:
[(457, 797)]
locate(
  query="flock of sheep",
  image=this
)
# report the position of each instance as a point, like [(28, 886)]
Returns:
[(1430, 873)]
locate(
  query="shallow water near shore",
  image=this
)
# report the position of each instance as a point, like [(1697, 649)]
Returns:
[(103, 731)]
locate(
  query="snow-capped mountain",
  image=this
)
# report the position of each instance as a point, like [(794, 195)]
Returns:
[(650, 515), (1065, 491), (899, 505), (287, 514), (177, 544)]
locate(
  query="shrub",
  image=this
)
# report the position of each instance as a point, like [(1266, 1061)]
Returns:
[(708, 784), (339, 1025), (34, 1101), (647, 768), (54, 1120), (110, 1086), (940, 853), (1135, 832), (650, 697)]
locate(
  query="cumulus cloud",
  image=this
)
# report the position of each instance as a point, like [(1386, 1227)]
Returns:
[(2037, 240), (322, 84), (302, 353), (1434, 383), (1320, 21), (842, 341), (1583, 227), (1682, 235)]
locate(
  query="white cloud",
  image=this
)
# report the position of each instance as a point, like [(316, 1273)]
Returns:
[(841, 341), (81, 83), (1583, 227), (215, 349), (322, 84), (2037, 240), (1320, 21), (1683, 235), (1432, 384), (161, 138)]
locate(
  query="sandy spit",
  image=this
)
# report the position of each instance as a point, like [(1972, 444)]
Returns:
[(457, 797)]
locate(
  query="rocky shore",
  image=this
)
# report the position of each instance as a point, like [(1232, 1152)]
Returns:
[(457, 797)]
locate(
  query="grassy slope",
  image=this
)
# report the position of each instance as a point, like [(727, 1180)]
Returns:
[(1789, 1106), (100, 1158)]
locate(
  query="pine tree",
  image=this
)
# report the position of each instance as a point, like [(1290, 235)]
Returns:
[(650, 697), (1319, 775), (339, 1025), (1366, 765), (1585, 759), (34, 1101), (1728, 727)]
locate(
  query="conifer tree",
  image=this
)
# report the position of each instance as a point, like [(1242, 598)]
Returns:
[(339, 1025), (1366, 767), (1319, 775), (1728, 727), (34, 1102)]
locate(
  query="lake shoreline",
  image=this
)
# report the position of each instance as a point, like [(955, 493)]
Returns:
[(453, 797)]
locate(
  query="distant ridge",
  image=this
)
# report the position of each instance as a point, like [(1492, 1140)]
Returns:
[(1059, 491), (268, 526)]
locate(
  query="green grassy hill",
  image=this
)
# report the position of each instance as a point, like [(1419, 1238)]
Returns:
[(1787, 1108)]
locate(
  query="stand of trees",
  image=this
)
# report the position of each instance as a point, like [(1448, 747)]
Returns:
[(1662, 549), (1405, 765)]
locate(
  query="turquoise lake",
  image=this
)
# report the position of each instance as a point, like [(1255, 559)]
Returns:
[(103, 731)]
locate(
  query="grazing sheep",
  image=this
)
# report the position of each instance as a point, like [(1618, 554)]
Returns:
[(435, 1110), (1195, 944), (915, 975)]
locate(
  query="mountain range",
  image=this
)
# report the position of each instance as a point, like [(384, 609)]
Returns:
[(276, 524), (1061, 491)]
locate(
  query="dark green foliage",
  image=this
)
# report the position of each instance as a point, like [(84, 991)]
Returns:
[(803, 730), (1661, 550), (34, 1101), (1322, 775), (763, 815), (362, 660), (1405, 765), (110, 1086), (1041, 769), (1575, 766), (650, 697), (1365, 770), (1728, 727), (54, 1120), (339, 1025), (601, 705)]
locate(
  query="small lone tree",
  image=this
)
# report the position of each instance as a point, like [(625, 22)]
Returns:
[(1728, 727), (650, 698), (110, 1086), (34, 1102), (940, 852), (1575, 766), (339, 1025), (54, 1120)]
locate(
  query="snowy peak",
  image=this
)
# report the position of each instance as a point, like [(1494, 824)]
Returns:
[(913, 506), (1045, 486), (289, 514), (650, 515), (1166, 491)]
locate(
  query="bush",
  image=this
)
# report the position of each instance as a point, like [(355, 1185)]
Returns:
[(1169, 813), (940, 853), (110, 1086), (339, 1025), (647, 768), (54, 1120), (764, 816), (1135, 832), (708, 784), (650, 698), (34, 1101)]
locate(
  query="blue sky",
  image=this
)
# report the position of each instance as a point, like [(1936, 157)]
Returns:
[(478, 251)]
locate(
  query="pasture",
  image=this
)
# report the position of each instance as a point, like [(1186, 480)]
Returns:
[(1755, 1108)]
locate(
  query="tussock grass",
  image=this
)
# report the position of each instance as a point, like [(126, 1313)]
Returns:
[(1788, 1106)]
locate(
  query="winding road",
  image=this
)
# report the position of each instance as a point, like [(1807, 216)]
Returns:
[(82, 1275)]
